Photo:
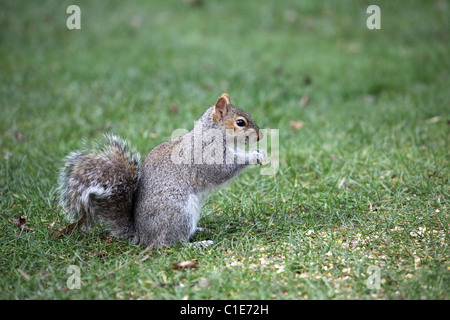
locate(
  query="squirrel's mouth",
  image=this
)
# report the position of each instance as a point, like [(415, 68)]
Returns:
[(246, 142), (250, 136), (260, 135)]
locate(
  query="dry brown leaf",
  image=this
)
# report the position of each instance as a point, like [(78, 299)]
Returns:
[(20, 223), (56, 234), (296, 125), (184, 265), (69, 229), (174, 108)]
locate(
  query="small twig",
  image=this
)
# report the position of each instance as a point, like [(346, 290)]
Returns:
[(24, 274)]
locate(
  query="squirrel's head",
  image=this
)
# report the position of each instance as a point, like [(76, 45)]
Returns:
[(235, 120)]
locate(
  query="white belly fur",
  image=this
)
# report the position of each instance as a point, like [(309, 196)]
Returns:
[(194, 207)]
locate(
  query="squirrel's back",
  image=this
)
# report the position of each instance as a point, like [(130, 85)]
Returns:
[(99, 182)]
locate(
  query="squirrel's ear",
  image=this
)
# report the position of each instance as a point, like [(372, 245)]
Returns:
[(220, 108)]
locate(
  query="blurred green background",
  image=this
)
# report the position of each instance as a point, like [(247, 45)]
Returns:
[(132, 59)]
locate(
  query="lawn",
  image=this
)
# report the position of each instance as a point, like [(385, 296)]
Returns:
[(358, 208)]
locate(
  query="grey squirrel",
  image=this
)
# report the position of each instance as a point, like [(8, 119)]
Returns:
[(158, 202)]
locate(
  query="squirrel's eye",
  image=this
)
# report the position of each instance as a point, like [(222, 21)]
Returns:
[(240, 122)]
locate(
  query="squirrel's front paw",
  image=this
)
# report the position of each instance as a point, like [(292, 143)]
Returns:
[(258, 155), (202, 244)]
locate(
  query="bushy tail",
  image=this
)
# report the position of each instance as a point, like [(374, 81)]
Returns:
[(99, 182)]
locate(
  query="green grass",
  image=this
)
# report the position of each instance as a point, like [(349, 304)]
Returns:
[(377, 116)]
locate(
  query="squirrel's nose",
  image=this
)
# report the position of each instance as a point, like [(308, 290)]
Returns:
[(260, 135)]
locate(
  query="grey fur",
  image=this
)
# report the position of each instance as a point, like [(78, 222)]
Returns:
[(100, 181), (159, 202)]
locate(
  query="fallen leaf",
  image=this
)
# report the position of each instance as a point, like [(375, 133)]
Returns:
[(296, 125), (55, 234), (69, 229), (184, 265), (174, 108), (20, 223), (58, 233)]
